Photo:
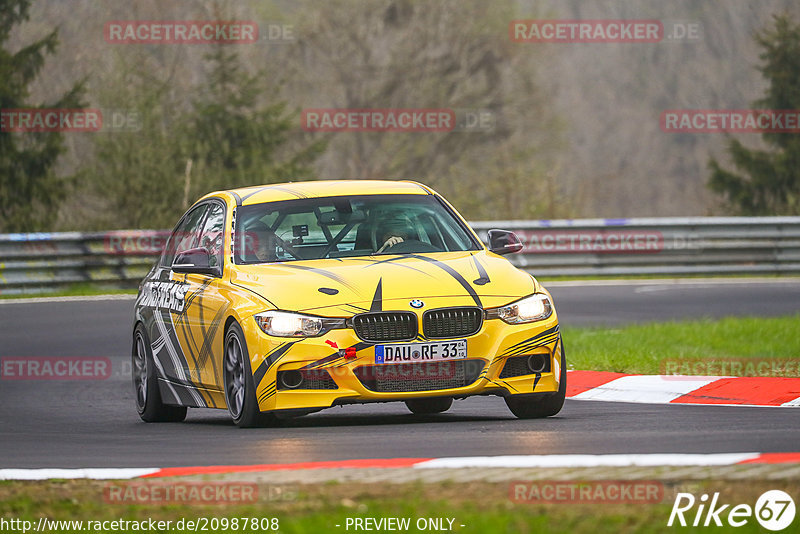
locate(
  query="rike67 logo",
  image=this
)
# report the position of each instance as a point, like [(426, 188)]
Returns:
[(774, 510)]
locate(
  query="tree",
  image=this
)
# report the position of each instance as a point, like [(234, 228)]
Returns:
[(134, 178), (235, 141), (224, 138), (30, 191), (771, 181), (451, 54)]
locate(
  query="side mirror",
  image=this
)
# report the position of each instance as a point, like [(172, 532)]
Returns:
[(194, 261), (504, 242)]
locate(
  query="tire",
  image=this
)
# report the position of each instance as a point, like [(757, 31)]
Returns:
[(428, 406), (532, 407), (240, 391), (145, 383)]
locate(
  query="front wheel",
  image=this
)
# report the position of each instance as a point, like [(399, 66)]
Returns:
[(240, 390), (531, 407), (428, 406), (145, 384)]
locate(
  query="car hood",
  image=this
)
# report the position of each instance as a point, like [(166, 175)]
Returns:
[(342, 287)]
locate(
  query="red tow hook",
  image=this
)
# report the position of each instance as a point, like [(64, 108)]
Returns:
[(349, 353)]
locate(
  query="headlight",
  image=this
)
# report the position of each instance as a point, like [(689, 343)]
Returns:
[(287, 324), (527, 310)]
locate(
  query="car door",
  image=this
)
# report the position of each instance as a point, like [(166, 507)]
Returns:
[(200, 327), (163, 304)]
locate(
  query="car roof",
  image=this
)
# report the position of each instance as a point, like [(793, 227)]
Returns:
[(324, 188)]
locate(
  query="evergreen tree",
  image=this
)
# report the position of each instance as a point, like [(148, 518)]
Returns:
[(771, 181), (30, 191), (234, 141), (222, 139)]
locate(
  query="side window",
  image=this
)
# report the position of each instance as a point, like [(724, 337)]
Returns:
[(185, 235), (213, 234)]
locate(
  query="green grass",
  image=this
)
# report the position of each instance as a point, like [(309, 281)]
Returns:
[(482, 507), (74, 290), (644, 277), (645, 348)]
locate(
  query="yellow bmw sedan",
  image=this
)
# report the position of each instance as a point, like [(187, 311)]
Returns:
[(285, 299)]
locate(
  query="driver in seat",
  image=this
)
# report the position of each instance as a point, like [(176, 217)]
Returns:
[(394, 230)]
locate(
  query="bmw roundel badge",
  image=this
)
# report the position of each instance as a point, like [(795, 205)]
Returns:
[(416, 303)]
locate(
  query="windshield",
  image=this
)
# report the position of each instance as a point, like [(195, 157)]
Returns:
[(338, 227)]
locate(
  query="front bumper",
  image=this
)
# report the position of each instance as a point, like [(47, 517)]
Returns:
[(357, 379)]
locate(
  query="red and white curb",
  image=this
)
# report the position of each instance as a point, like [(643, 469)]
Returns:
[(530, 461), (676, 389)]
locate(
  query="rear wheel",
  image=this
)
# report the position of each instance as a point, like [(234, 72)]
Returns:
[(145, 383), (427, 406), (240, 390), (533, 407)]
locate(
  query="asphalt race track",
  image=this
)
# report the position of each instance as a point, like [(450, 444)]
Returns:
[(94, 423)]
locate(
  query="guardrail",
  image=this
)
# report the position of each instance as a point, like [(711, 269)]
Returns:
[(33, 263), (656, 246), (576, 247)]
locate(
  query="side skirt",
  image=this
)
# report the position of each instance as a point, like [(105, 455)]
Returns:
[(181, 395)]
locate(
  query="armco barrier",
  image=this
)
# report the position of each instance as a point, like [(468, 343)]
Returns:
[(579, 247), (32, 263), (656, 246)]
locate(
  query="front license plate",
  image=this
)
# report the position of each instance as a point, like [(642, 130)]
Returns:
[(421, 352)]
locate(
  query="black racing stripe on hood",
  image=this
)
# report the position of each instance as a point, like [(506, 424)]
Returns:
[(452, 272), (397, 259), (322, 272), (483, 276), (377, 298)]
